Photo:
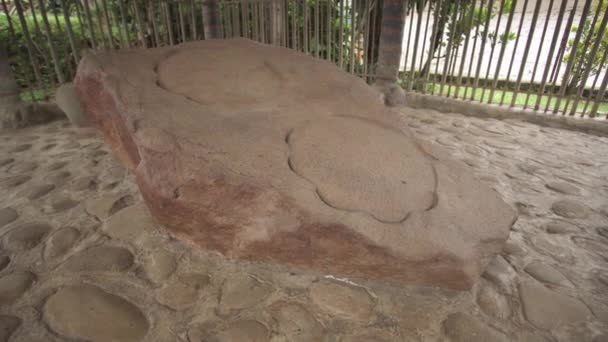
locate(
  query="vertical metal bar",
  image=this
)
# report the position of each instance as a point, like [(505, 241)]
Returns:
[(577, 38), (366, 42), (68, 25), (576, 69), (578, 65), (373, 35), (151, 9), (597, 77), (285, 22), (14, 39), (182, 24), (426, 31), (193, 19), (454, 52), (102, 33), (123, 19), (475, 39), (316, 28), (599, 97), (540, 48), (203, 21), (87, 12), (294, 33), (352, 36), (526, 51), (448, 49), (249, 20), (438, 8), (140, 25), (169, 23), (541, 89), (261, 18), (57, 23), (254, 19), (222, 22), (81, 25), (469, 23), (341, 37), (34, 16), (562, 48), (483, 45), (49, 37), (591, 56), (445, 11), (227, 22), (409, 13), (108, 23), (231, 18), (9, 20), (30, 47), (329, 28), (410, 82), (493, 46), (116, 21), (234, 17), (503, 48), (305, 4), (246, 23)]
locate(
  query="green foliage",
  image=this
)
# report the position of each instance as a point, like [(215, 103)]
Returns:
[(17, 43), (323, 45), (456, 23), (18, 52), (581, 56), (473, 17)]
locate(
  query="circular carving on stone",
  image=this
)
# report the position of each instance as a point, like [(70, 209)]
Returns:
[(241, 83), (360, 165)]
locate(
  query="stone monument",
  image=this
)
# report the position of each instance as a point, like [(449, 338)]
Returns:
[(263, 153)]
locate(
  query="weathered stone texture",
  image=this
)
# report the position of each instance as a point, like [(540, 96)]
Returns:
[(262, 153)]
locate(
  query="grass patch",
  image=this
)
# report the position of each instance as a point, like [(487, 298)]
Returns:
[(521, 99)]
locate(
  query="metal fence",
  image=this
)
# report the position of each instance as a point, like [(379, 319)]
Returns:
[(545, 55), (47, 38)]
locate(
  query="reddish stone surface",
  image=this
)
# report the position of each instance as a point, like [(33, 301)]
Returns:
[(265, 154)]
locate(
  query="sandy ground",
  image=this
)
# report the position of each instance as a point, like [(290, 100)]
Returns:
[(81, 259)]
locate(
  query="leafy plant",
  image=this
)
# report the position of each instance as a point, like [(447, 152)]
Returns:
[(580, 54), (455, 23)]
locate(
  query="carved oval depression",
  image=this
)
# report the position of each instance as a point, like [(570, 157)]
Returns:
[(193, 73), (360, 165)]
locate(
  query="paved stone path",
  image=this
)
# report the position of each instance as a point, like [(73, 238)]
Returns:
[(81, 259)]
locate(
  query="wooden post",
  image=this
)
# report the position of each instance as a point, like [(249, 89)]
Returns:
[(211, 22), (389, 54)]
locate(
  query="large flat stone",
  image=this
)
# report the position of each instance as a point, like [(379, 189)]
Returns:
[(262, 153)]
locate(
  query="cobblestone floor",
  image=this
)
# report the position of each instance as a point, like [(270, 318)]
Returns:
[(81, 259)]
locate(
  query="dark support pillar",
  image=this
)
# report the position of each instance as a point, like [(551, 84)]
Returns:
[(211, 19), (389, 55)]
